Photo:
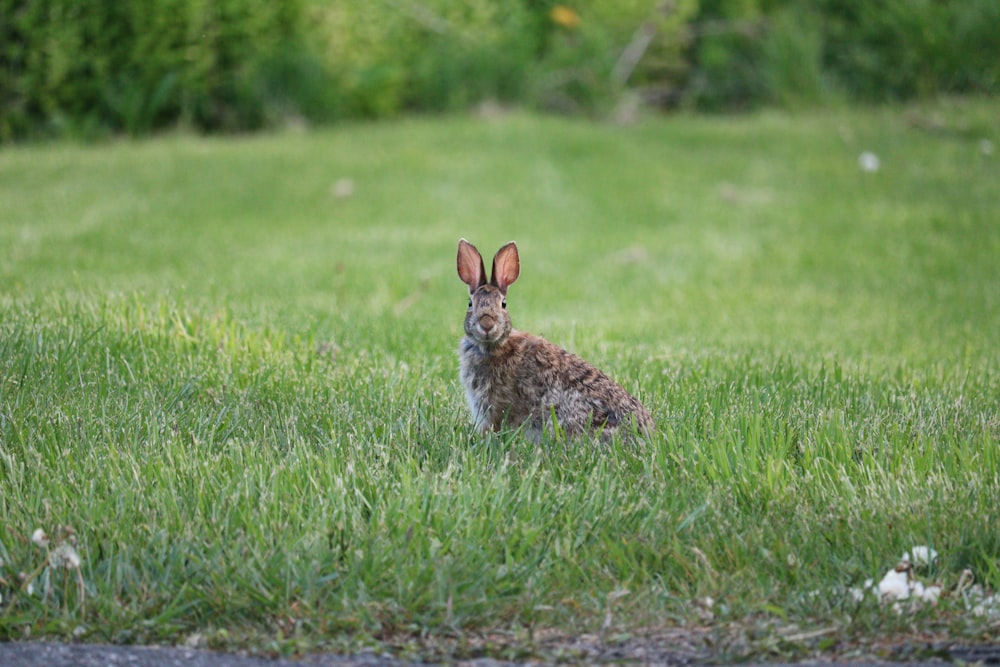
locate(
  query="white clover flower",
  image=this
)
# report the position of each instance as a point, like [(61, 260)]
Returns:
[(857, 593), (40, 539), (895, 585), (922, 556), (64, 556), (931, 594), (869, 162), (989, 607)]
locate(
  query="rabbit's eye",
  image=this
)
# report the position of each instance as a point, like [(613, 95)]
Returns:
[(470, 303), (503, 305)]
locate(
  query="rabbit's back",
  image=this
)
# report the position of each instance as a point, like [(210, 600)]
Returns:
[(528, 382)]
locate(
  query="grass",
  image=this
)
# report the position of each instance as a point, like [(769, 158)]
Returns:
[(240, 391)]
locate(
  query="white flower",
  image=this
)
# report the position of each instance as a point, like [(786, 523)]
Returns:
[(930, 593), (869, 162), (989, 607), (40, 538), (895, 585), (922, 556), (857, 593), (64, 556)]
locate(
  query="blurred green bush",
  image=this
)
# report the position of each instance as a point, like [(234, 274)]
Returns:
[(897, 49), (90, 67), (437, 55), (791, 52), (83, 67)]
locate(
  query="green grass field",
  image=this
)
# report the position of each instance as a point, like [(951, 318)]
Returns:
[(229, 366)]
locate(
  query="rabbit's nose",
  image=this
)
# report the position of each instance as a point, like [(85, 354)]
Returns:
[(487, 324)]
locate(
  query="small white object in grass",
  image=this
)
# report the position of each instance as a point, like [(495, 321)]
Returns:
[(869, 162), (40, 538), (978, 602), (931, 593), (922, 556), (64, 556), (989, 607), (343, 188), (705, 608), (858, 593), (986, 147), (964, 581), (895, 585)]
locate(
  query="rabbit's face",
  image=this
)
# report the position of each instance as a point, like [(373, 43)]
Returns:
[(487, 320)]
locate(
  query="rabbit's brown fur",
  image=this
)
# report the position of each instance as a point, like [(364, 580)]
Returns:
[(515, 379)]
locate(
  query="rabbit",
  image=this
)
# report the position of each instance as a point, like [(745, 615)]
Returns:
[(513, 379)]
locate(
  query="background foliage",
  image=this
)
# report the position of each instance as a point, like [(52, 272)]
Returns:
[(83, 67), (88, 68), (750, 52)]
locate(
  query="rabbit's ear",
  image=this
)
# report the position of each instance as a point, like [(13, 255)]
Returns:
[(471, 269), (506, 267)]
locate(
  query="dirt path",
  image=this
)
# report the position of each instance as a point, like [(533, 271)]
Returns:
[(664, 651)]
